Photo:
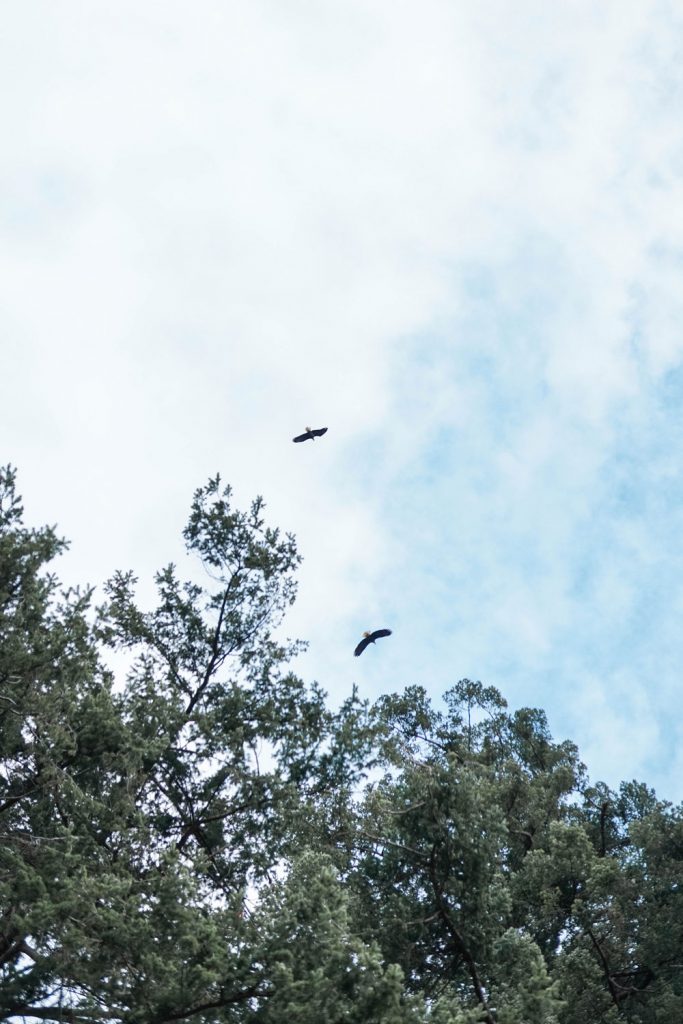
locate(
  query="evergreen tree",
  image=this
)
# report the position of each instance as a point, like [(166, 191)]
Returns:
[(135, 824), (207, 841), (507, 888)]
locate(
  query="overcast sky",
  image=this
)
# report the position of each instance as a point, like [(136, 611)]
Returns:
[(452, 232)]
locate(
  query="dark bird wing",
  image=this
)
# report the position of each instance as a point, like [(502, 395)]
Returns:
[(320, 432), (370, 639), (362, 645), (304, 437), (378, 633)]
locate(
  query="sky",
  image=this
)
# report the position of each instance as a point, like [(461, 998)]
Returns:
[(450, 232)]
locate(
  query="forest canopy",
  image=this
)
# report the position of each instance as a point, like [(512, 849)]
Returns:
[(207, 840)]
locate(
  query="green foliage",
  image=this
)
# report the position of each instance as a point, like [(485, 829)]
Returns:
[(319, 969), (136, 822), (207, 841)]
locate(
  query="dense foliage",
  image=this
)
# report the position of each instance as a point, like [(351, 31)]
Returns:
[(207, 841)]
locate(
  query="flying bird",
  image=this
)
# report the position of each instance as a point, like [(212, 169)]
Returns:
[(310, 435), (369, 638)]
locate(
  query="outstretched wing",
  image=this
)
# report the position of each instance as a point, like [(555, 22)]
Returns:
[(362, 645), (378, 633), (303, 437), (370, 638), (320, 432)]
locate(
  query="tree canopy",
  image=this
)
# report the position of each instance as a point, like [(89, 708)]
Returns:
[(206, 840)]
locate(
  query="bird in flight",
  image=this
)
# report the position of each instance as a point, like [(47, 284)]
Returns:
[(310, 435), (369, 638)]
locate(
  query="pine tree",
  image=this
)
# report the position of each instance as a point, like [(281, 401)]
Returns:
[(206, 841), (136, 823)]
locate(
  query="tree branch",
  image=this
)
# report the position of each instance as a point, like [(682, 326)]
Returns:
[(31, 953), (457, 939), (605, 967), (214, 650), (216, 1004), (528, 837), (397, 846)]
